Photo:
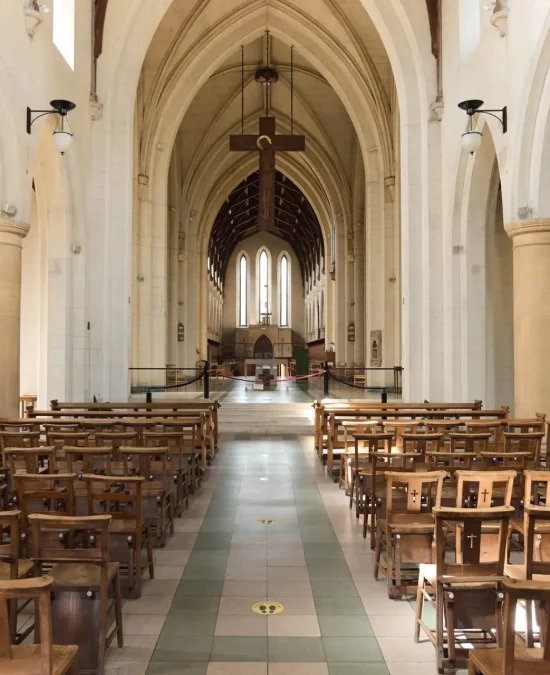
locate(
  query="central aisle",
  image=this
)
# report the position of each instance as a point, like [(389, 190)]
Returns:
[(196, 617)]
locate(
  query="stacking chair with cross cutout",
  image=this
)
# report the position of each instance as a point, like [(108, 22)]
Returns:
[(512, 658), (82, 575), (18, 439), (182, 464), (464, 584), (406, 534), (31, 460), (42, 658)]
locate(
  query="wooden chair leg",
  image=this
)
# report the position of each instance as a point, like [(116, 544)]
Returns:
[(118, 610), (451, 642), (377, 556), (171, 514), (395, 542), (73, 668), (149, 555), (529, 641), (419, 605), (439, 621), (102, 631), (351, 490)]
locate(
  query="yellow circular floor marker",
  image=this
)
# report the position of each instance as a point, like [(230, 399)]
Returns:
[(266, 521), (268, 607)]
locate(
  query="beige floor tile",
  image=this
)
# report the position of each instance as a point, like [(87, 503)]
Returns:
[(298, 589), (237, 669), (399, 650), (294, 574), (244, 625), (187, 524), (281, 625), (388, 625), (414, 669), (246, 573), (376, 604), (283, 538), (232, 605), (294, 605), (248, 538), (243, 559), (251, 589), (169, 571), (159, 587), (137, 648), (286, 560), (369, 588), (298, 669), (149, 605), (143, 624)]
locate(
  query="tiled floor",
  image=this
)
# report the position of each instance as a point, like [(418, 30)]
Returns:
[(195, 618)]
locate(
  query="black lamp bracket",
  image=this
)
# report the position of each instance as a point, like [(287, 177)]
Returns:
[(473, 107), (60, 107)]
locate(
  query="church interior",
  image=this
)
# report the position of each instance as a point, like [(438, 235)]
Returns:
[(274, 281)]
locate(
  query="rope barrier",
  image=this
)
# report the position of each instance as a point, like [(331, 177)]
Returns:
[(287, 379), (354, 386), (177, 386)]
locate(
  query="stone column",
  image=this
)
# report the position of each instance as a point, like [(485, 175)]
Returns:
[(12, 234), (531, 241)]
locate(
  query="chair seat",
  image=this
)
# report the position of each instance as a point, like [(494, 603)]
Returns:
[(80, 575), (408, 523), (517, 524), (24, 567), (491, 661), (121, 526), (23, 661), (518, 572)]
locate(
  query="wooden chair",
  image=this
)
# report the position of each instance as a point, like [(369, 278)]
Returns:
[(465, 589), (122, 498), (18, 439), (12, 566), (373, 441), (81, 572), (510, 659), (153, 465), (31, 460), (183, 463), (406, 534), (52, 493), (525, 442), (43, 658), (421, 444), (475, 443)]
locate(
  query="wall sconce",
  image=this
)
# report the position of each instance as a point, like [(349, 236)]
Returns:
[(61, 136), (34, 15), (471, 138)]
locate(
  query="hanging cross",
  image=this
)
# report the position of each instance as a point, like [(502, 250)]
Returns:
[(471, 537), (267, 142)]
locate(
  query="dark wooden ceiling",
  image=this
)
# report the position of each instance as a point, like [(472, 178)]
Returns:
[(295, 223)]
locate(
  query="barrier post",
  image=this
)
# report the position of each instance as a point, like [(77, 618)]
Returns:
[(384, 396), (207, 380), (326, 378), (148, 397)]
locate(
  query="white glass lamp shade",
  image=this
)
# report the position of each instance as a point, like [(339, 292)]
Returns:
[(63, 140), (471, 141)]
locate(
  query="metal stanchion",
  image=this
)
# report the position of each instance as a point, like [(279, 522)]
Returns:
[(207, 380), (326, 378), (384, 396), (148, 397)]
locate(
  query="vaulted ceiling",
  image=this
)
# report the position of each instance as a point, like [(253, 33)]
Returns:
[(295, 222)]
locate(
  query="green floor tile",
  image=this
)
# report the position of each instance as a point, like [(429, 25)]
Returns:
[(199, 570), (352, 649), (358, 669), (323, 551), (296, 649), (334, 606), (192, 649), (195, 605), (328, 588), (345, 626), (202, 587), (179, 625), (177, 669), (240, 649)]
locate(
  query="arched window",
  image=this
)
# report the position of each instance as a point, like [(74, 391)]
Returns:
[(243, 291), (284, 289), (263, 281)]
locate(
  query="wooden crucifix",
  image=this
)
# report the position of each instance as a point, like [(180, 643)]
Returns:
[(267, 142)]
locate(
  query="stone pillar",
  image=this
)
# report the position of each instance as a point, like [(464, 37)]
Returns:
[(531, 241), (12, 234)]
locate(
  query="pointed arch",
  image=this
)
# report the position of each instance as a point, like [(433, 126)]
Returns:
[(284, 267), (243, 276), (263, 275)]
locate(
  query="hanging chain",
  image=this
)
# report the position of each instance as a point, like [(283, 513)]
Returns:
[(291, 90), (242, 89)]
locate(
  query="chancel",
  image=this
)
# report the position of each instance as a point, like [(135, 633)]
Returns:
[(274, 319)]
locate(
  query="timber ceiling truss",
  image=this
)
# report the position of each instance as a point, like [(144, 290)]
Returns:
[(295, 223)]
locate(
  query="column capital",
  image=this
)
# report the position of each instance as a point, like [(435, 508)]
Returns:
[(12, 232), (534, 226)]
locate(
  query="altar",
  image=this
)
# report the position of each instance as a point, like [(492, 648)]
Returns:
[(265, 371)]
